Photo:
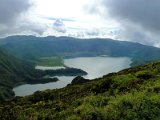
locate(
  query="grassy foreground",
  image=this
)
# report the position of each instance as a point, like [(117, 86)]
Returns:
[(131, 94)]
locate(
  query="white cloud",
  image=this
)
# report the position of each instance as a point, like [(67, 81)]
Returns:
[(39, 18), (75, 11)]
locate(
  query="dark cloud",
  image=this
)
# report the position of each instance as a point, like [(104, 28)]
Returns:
[(142, 12), (14, 18), (10, 10), (25, 28), (59, 26), (139, 18)]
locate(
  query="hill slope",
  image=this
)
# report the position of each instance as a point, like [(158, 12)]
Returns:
[(129, 94), (14, 72), (32, 47)]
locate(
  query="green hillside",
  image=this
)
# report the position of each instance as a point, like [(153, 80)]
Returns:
[(14, 72), (131, 94)]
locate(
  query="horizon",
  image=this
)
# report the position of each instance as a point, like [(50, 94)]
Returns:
[(79, 59), (83, 19)]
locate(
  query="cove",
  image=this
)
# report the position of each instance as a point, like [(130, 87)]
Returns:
[(94, 66)]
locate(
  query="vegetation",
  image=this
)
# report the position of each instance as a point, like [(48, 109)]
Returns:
[(14, 72), (66, 72), (137, 62), (79, 80), (33, 48), (131, 94), (50, 61)]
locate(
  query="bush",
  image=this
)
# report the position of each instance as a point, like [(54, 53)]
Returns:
[(144, 75)]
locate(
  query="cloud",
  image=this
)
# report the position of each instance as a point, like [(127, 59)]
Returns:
[(25, 28), (59, 26), (14, 17), (142, 12), (140, 19), (10, 10), (17, 18), (63, 19)]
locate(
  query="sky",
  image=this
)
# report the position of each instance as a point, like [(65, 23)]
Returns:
[(127, 20)]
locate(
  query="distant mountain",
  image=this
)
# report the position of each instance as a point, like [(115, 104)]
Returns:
[(30, 47)]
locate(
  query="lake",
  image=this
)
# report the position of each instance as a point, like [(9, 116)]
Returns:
[(94, 66)]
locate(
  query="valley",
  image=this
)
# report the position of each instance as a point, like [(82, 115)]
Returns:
[(79, 60), (127, 94), (53, 51), (14, 72), (95, 67), (52, 85)]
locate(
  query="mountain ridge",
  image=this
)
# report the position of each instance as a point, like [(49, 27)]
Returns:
[(51, 46)]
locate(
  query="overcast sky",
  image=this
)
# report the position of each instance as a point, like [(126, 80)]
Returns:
[(131, 20)]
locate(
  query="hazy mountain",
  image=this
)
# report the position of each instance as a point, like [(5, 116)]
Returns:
[(32, 47)]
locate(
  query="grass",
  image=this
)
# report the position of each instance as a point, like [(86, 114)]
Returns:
[(57, 61), (51, 61), (131, 94)]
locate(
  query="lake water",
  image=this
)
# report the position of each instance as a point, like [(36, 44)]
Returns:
[(98, 66), (94, 66)]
